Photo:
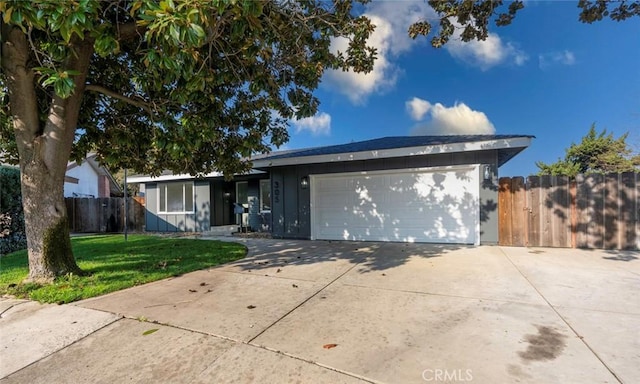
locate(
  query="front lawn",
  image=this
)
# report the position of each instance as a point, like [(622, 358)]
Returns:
[(112, 265)]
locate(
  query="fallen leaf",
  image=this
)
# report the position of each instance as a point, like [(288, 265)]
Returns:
[(329, 346), (192, 290), (145, 333), (251, 306)]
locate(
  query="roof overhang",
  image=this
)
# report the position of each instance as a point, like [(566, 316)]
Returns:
[(507, 147), (182, 176)]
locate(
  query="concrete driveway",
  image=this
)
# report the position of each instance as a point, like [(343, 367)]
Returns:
[(341, 312)]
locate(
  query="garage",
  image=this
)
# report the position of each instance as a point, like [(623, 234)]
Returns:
[(430, 205)]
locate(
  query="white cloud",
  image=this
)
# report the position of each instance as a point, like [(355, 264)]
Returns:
[(318, 125), (485, 53), (400, 15), (390, 38), (456, 120), (417, 108), (565, 57)]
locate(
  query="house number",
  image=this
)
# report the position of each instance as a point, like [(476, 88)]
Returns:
[(276, 192)]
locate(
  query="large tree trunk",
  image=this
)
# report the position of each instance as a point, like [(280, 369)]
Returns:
[(44, 149), (46, 222)]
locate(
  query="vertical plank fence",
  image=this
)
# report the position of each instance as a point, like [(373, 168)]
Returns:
[(592, 211), (104, 214)]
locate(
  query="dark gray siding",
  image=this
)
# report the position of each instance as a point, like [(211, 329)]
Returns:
[(277, 203), (489, 205), (290, 203), (197, 221), (291, 212)]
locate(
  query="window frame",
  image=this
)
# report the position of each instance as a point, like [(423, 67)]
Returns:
[(184, 198), (260, 200)]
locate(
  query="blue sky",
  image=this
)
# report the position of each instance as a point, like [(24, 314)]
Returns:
[(546, 75)]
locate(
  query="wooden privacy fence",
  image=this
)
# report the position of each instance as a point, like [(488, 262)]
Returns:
[(105, 214), (592, 211)]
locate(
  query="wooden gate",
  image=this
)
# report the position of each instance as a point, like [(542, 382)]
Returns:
[(591, 211)]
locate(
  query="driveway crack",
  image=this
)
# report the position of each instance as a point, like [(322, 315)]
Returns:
[(562, 318), (315, 294), (14, 305)]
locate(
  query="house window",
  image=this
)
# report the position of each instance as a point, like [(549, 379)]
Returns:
[(176, 197), (265, 195)]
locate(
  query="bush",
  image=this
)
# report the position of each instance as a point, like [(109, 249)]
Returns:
[(12, 234)]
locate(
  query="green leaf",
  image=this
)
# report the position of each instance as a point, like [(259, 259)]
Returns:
[(150, 331), (198, 30), (175, 34), (65, 32), (16, 17)]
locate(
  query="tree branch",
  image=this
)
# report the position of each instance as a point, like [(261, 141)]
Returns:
[(128, 31), (14, 62), (116, 95)]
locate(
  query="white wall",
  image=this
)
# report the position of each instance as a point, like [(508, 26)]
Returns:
[(87, 181)]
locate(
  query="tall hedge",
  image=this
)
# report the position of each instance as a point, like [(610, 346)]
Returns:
[(12, 235)]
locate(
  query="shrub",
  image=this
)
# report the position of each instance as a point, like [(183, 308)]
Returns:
[(12, 234)]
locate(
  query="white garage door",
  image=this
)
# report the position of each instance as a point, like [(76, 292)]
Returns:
[(425, 205)]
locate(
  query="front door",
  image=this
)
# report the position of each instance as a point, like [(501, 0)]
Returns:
[(223, 197)]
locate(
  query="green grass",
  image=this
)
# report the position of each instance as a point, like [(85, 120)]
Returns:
[(112, 265)]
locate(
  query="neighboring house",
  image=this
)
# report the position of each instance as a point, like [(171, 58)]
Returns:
[(89, 179), (441, 189)]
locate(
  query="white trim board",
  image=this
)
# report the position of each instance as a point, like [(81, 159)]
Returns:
[(520, 142)]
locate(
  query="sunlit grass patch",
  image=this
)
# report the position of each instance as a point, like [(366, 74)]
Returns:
[(111, 264)]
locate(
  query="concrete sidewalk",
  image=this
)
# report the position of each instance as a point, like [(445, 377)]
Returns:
[(303, 311)]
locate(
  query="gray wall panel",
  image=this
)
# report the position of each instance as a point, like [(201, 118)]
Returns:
[(202, 206), (304, 202), (489, 200), (151, 205), (291, 208), (277, 203)]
